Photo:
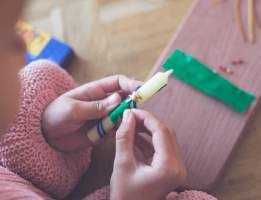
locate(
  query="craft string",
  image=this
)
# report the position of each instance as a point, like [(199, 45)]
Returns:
[(98, 130), (103, 131), (251, 20), (136, 96), (216, 2), (239, 24)]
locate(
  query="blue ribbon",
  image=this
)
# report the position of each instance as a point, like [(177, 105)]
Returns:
[(103, 131)]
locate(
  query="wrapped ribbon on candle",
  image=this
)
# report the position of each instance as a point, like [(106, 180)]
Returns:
[(134, 100)]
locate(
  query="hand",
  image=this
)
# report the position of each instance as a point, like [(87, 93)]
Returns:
[(132, 179), (66, 121)]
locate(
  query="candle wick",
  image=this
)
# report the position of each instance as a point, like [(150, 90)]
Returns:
[(169, 72)]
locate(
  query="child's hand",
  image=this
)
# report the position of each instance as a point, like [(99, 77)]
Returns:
[(132, 179), (66, 120)]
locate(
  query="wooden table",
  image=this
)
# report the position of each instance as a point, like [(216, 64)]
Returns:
[(127, 37)]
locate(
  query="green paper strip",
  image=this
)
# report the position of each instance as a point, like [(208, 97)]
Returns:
[(118, 112), (203, 78)]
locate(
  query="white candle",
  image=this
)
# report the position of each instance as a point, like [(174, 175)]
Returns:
[(149, 88)]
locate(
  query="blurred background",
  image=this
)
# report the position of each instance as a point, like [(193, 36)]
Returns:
[(126, 37)]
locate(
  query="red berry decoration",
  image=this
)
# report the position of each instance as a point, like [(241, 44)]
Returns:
[(233, 62), (240, 61), (221, 67)]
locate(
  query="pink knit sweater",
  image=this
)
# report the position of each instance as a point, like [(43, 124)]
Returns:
[(30, 168)]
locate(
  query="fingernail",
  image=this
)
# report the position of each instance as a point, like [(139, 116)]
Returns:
[(112, 99), (126, 115)]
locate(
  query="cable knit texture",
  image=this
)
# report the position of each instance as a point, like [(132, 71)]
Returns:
[(190, 195), (24, 150), (104, 194), (14, 187)]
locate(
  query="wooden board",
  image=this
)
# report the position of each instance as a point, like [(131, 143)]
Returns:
[(207, 129)]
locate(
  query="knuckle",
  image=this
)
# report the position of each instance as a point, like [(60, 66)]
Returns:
[(97, 106), (172, 130), (121, 76), (121, 135), (172, 174), (163, 127), (146, 113), (176, 172), (164, 176), (184, 175), (166, 171), (73, 110), (124, 78), (121, 163), (179, 174)]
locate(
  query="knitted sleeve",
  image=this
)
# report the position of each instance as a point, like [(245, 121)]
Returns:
[(104, 194), (13, 187), (23, 149), (190, 195), (101, 194)]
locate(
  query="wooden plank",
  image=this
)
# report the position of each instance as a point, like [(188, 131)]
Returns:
[(207, 129), (243, 175)]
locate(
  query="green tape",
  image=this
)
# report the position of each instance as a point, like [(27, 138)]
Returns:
[(118, 112), (203, 78)]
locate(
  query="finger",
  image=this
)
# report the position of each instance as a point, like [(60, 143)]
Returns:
[(144, 146), (140, 128), (98, 89), (97, 109), (119, 82), (87, 92), (74, 142), (161, 138), (120, 92), (125, 139)]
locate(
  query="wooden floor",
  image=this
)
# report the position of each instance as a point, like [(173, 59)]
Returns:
[(127, 37)]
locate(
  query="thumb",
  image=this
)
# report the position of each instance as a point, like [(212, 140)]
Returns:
[(125, 138), (100, 108)]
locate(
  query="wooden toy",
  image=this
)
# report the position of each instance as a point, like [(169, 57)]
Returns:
[(207, 129), (40, 45)]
